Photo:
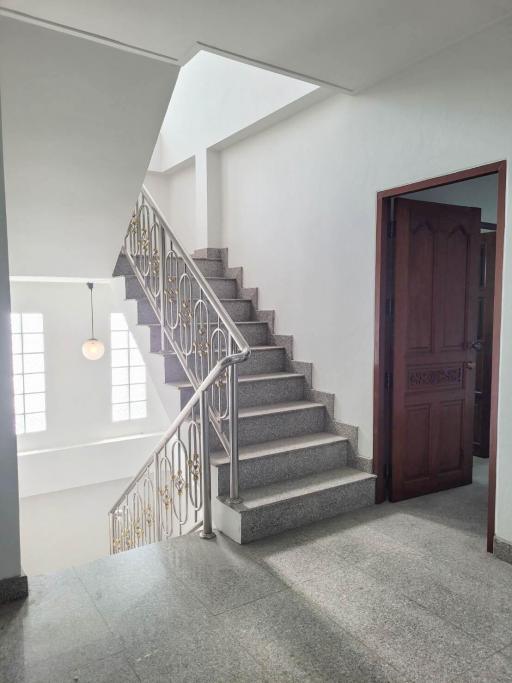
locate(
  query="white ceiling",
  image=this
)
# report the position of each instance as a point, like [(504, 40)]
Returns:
[(351, 43), (79, 122)]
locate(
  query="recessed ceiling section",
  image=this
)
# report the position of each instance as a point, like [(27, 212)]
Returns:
[(218, 100), (74, 149), (351, 44)]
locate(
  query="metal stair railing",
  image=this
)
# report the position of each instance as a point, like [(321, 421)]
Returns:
[(198, 330)]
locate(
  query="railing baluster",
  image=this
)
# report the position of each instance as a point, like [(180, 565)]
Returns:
[(207, 530), (163, 284), (234, 489)]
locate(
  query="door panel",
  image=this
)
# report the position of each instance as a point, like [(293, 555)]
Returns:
[(436, 280), (454, 261), (421, 257), (418, 440), (451, 436)]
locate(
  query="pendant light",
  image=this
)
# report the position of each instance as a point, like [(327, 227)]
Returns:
[(93, 349)]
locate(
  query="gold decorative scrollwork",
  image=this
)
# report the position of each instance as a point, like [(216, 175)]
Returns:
[(194, 464), (172, 290)]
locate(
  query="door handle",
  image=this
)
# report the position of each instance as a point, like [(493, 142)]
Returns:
[(470, 364), (477, 345)]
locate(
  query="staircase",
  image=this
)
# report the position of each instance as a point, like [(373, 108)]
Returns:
[(296, 464)]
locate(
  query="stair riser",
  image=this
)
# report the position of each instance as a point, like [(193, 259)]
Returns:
[(133, 289), (279, 425), (224, 289), (282, 466), (292, 513), (255, 334), (238, 310), (209, 267), (155, 345), (271, 360), (174, 371), (262, 392), (122, 267), (145, 314), (264, 361)]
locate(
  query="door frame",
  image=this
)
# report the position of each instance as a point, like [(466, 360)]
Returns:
[(383, 333)]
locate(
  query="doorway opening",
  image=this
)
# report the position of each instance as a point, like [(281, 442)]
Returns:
[(438, 314)]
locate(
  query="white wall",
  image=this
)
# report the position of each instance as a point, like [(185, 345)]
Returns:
[(175, 194), (49, 470), (214, 98), (66, 528), (9, 511), (78, 391), (80, 122), (301, 196), (480, 192)]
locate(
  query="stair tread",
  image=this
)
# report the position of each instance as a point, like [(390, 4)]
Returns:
[(170, 352), (249, 378), (239, 322), (276, 408), (206, 258), (260, 450), (294, 488)]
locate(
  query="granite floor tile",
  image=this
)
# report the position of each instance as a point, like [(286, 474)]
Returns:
[(496, 669), (418, 643), (115, 669), (209, 655), (507, 651), (482, 610), (294, 556), (55, 629), (295, 641), (139, 598), (218, 572)]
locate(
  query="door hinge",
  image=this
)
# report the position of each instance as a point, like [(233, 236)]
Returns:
[(390, 307), (391, 230), (388, 381)]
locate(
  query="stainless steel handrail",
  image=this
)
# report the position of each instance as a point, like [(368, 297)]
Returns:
[(200, 278)]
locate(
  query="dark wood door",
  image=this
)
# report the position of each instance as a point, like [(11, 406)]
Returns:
[(434, 360), (484, 343)]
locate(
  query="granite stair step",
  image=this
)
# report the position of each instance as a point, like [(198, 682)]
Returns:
[(257, 390), (278, 421), (281, 459), (240, 310), (263, 360), (224, 287), (209, 267), (256, 334), (273, 508)]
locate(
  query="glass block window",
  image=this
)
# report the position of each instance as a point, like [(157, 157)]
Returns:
[(28, 372), (128, 373)]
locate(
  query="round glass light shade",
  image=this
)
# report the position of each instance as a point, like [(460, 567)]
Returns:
[(93, 349)]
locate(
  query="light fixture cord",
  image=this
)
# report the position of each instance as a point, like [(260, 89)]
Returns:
[(92, 318), (91, 285)]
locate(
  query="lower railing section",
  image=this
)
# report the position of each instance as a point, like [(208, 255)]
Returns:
[(171, 493)]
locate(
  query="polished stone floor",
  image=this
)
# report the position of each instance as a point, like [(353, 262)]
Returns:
[(398, 592)]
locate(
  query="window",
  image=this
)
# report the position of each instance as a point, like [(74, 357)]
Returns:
[(128, 373), (28, 372)]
